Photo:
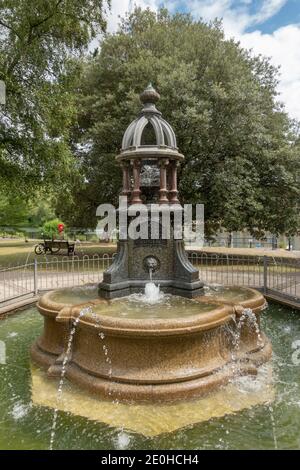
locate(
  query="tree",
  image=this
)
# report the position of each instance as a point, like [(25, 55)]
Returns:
[(40, 41), (241, 157), (16, 211)]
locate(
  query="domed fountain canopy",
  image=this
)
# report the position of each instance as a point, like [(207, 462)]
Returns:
[(163, 144)]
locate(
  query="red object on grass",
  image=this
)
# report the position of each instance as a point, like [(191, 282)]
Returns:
[(60, 227)]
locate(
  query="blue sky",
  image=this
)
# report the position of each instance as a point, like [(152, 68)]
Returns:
[(289, 13), (268, 27), (281, 13)]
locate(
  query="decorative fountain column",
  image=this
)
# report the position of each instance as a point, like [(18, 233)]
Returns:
[(187, 344), (149, 146)]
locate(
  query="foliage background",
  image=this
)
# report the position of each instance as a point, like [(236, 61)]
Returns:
[(68, 109), (41, 43), (241, 149)]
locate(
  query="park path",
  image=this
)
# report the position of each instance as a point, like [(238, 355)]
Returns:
[(279, 253)]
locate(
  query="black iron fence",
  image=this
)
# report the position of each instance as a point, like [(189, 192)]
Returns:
[(277, 277)]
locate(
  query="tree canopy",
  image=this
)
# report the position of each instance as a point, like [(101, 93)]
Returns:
[(15, 211), (241, 153), (39, 42)]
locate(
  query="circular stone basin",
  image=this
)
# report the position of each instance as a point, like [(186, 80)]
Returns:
[(133, 349), (240, 297), (136, 307), (231, 294), (74, 295)]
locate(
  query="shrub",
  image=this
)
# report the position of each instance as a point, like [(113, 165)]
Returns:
[(50, 230)]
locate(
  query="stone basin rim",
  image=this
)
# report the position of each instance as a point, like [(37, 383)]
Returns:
[(256, 303), (153, 326), (54, 306), (222, 312)]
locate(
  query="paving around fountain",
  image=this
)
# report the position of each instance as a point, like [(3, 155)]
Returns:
[(151, 354)]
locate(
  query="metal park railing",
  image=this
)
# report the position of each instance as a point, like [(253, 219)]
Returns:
[(16, 282), (223, 269), (274, 276), (30, 279), (277, 277)]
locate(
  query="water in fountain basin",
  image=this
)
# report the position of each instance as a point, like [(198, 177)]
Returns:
[(251, 428), (75, 295), (152, 295), (234, 294), (153, 306)]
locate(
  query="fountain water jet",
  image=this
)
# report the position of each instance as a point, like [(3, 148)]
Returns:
[(152, 293), (65, 361)]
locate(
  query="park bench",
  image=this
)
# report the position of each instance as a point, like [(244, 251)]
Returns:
[(54, 246)]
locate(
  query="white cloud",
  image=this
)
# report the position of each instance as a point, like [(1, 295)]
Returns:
[(268, 9), (282, 46), (120, 7), (118, 10), (235, 13)]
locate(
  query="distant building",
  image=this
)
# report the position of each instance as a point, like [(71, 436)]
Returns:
[(244, 239)]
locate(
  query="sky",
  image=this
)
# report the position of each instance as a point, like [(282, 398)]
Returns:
[(268, 27)]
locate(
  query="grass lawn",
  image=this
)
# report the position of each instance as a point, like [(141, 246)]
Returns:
[(17, 252)]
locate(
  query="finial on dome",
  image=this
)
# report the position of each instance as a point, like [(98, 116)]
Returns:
[(149, 95)]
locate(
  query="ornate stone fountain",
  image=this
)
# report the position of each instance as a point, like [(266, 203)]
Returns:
[(188, 343)]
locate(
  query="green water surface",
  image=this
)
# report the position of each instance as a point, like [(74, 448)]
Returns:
[(25, 426)]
